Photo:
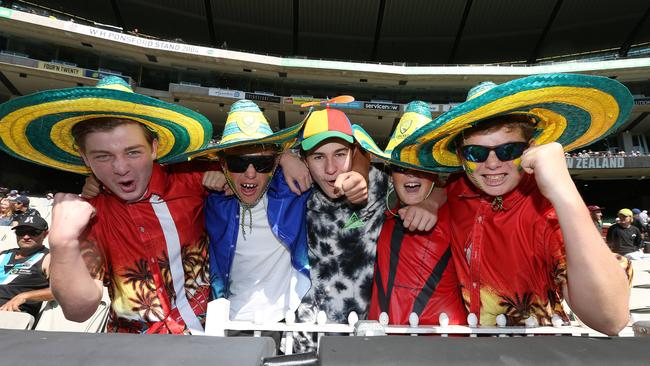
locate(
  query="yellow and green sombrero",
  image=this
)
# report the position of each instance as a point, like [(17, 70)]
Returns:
[(37, 127), (246, 125), (416, 114), (574, 110)]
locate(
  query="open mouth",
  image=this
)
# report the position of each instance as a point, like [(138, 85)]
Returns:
[(493, 180), (248, 189), (412, 187), (127, 185)]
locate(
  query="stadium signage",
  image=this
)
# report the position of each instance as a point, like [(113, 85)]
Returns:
[(596, 163), (381, 106), (226, 93), (642, 101), (263, 98), (300, 100), (61, 69)]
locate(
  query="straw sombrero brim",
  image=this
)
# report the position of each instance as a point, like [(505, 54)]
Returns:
[(37, 127), (574, 110), (367, 143), (285, 138)]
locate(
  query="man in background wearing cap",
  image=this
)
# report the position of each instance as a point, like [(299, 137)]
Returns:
[(24, 271), (636, 221), (22, 210), (596, 213), (623, 237), (342, 232)]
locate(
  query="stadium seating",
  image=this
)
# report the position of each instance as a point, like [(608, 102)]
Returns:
[(52, 318), (16, 320)]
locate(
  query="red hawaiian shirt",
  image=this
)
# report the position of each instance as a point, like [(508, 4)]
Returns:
[(509, 255), (152, 255), (414, 273)]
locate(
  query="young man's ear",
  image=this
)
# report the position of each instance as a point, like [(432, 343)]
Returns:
[(154, 149), (83, 157)]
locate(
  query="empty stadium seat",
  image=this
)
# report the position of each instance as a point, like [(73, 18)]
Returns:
[(7, 238), (52, 318), (16, 320)]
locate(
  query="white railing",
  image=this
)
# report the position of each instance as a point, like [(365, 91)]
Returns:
[(218, 324)]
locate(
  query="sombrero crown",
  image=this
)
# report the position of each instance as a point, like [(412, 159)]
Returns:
[(37, 127), (246, 125), (574, 110), (416, 114)]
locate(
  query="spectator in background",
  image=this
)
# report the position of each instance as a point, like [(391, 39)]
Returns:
[(596, 213), (3, 192), (636, 221), (22, 210), (6, 212), (623, 237), (24, 271), (643, 216), (13, 194)]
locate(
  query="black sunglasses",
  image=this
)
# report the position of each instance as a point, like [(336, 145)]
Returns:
[(261, 163), (505, 152), (397, 169), (28, 231)]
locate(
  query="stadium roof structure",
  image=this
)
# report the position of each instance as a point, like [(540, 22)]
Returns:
[(392, 31)]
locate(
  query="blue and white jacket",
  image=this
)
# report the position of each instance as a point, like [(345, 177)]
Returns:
[(287, 218)]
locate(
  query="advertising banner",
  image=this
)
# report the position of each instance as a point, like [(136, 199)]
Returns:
[(263, 98), (61, 69), (226, 93)]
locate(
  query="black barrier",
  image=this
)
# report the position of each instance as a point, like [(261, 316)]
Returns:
[(539, 350), (298, 359), (71, 349)]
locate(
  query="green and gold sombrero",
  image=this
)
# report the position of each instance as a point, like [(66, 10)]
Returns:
[(574, 110), (37, 127), (416, 115), (246, 125)]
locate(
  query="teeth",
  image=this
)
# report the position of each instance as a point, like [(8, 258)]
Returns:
[(495, 177), (249, 185), (411, 185)]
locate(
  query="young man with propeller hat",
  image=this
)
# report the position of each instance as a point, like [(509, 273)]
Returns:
[(521, 236)]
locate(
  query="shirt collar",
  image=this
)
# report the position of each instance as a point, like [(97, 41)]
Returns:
[(510, 199), (157, 183)]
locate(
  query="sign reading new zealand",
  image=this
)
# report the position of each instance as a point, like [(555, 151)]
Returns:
[(594, 162)]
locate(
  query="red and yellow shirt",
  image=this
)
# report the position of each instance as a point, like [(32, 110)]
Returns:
[(509, 256), (152, 255)]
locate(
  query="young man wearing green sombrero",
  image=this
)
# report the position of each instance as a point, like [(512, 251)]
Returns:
[(413, 271), (521, 236), (258, 241), (143, 236)]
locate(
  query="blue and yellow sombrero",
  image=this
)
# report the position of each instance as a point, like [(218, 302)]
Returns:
[(574, 110), (37, 127), (246, 125), (416, 115)]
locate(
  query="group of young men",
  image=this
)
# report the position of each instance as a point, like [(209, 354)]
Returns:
[(512, 237)]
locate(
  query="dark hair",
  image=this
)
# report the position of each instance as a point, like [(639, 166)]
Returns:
[(105, 124), (248, 149), (524, 122)]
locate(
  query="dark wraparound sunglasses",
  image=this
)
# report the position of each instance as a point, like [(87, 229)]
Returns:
[(397, 169), (261, 163), (505, 152), (27, 231)]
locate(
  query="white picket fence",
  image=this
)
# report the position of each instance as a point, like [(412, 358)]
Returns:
[(218, 324)]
